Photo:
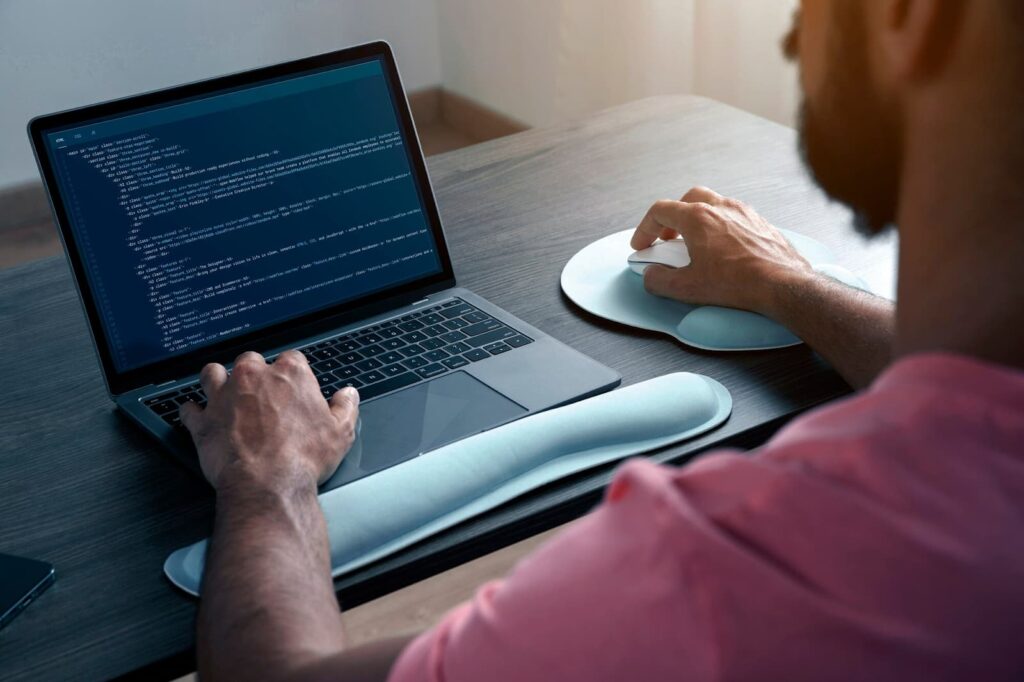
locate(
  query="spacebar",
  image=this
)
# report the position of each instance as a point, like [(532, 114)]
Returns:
[(392, 384)]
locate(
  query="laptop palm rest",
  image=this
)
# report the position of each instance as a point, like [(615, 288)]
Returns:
[(419, 419)]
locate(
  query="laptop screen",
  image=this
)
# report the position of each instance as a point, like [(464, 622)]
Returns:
[(208, 218)]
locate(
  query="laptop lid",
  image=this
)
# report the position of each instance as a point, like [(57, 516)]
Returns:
[(263, 206)]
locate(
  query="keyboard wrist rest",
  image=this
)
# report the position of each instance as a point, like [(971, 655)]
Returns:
[(381, 514)]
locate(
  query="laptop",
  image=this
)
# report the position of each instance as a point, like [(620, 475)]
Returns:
[(287, 207)]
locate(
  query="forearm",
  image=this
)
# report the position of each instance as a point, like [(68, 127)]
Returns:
[(268, 607), (850, 328)]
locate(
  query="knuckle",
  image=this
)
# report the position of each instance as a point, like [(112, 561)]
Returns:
[(703, 212), (248, 361), (291, 358)]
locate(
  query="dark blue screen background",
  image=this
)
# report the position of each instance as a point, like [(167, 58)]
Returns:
[(211, 220)]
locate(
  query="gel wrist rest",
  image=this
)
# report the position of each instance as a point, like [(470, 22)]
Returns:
[(599, 280), (373, 517)]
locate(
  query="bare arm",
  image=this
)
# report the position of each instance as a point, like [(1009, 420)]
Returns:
[(268, 609), (741, 261)]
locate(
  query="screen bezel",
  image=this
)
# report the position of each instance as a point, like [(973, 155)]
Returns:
[(281, 333)]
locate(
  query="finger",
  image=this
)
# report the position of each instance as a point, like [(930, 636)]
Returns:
[(247, 364), (250, 357), (703, 195), (675, 283), (212, 379), (660, 220), (294, 360), (190, 414), (344, 405)]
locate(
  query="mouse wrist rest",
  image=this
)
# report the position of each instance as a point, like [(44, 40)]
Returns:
[(599, 280), (374, 517)]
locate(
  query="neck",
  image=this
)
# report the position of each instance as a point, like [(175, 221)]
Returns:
[(961, 222)]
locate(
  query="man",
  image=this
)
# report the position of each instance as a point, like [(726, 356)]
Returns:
[(877, 538)]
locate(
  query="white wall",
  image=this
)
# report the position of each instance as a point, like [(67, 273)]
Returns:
[(544, 61), (538, 61), (56, 54)]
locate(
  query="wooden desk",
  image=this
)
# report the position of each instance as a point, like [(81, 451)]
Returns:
[(83, 488)]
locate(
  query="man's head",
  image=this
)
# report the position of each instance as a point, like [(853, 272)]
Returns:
[(861, 65)]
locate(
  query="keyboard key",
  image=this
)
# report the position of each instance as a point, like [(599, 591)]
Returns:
[(326, 365), (348, 345), (393, 370), (456, 311), (476, 355), (415, 363), (487, 325), (367, 339), (518, 341), (354, 382), (457, 348), (392, 344), (368, 364), (432, 344), (449, 304), (325, 354), (410, 326), (475, 316), (432, 318), (392, 384), (412, 351), (455, 362), (498, 348), (156, 399), (371, 377), (182, 399), (491, 337), (371, 351), (390, 332), (415, 337), (166, 406), (432, 370), (350, 358), (435, 355), (391, 357), (457, 323), (326, 379), (327, 391), (452, 337), (346, 372)]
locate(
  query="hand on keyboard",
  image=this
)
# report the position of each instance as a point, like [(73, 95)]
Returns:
[(268, 425)]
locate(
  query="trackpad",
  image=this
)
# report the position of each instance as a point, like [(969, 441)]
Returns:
[(419, 419)]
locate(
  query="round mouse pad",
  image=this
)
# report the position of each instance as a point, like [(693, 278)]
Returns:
[(599, 280)]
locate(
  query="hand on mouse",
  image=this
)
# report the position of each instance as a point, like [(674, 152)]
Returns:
[(738, 259), (268, 425)]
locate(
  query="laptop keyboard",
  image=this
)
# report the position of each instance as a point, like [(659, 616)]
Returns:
[(388, 356)]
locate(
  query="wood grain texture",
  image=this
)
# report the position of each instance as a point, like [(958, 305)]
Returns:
[(81, 487)]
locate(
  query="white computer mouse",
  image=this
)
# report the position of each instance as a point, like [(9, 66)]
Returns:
[(672, 253)]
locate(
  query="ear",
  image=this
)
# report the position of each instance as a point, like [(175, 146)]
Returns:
[(917, 36)]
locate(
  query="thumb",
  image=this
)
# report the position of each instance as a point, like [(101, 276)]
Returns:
[(344, 404)]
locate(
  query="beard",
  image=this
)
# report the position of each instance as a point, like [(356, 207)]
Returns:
[(850, 138)]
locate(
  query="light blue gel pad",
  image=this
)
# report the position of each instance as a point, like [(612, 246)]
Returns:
[(375, 516), (599, 280)]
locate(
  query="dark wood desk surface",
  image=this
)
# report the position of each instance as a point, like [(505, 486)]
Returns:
[(84, 489)]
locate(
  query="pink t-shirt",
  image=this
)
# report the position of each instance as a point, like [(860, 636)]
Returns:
[(881, 537)]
